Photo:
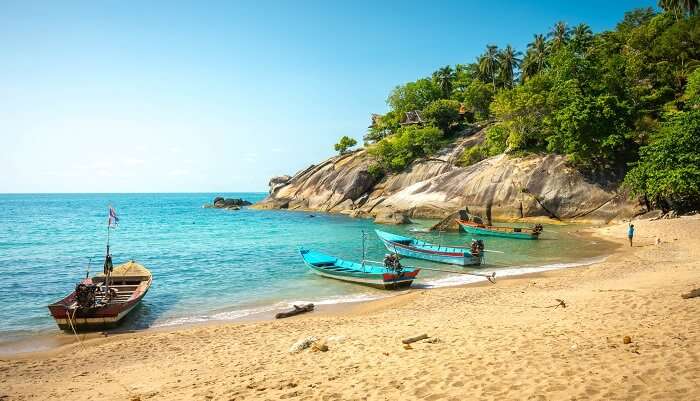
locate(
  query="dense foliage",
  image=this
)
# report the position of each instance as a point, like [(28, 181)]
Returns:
[(408, 143), (668, 170), (619, 98)]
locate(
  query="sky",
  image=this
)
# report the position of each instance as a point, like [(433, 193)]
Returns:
[(177, 96)]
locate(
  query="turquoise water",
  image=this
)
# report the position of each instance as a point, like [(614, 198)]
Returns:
[(211, 264)]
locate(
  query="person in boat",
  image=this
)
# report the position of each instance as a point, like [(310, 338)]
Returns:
[(630, 233)]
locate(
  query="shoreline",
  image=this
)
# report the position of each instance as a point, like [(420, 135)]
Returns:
[(52, 340), (509, 341)]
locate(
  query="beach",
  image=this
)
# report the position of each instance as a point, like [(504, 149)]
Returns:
[(557, 335)]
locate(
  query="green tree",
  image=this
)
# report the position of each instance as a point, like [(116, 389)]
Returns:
[(478, 96), (442, 113), (396, 152), (489, 65), (559, 35), (668, 171), (413, 96), (344, 144), (536, 57), (680, 8), (444, 77), (581, 37), (509, 61)]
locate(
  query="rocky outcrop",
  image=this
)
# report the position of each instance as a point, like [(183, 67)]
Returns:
[(227, 203), (500, 188), (392, 217)]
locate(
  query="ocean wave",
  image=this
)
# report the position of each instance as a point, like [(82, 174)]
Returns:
[(451, 281), (287, 304)]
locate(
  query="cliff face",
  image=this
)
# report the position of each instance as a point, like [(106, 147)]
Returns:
[(501, 187)]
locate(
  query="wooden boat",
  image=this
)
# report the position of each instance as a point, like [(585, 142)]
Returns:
[(474, 225), (414, 248), (367, 273), (102, 301)]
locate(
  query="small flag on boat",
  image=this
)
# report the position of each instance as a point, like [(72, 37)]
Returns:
[(113, 219)]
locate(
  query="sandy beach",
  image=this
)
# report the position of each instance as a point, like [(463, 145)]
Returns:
[(509, 341)]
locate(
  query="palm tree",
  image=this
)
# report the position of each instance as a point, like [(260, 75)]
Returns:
[(488, 64), (444, 77), (581, 36), (680, 7), (536, 57), (559, 35), (509, 61)]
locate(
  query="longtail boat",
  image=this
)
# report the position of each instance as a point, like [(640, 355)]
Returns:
[(102, 301), (476, 226), (389, 276), (414, 248)]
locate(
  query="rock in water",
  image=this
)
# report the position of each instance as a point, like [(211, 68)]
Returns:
[(227, 203), (392, 218)]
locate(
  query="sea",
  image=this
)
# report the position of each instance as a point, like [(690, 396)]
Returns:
[(219, 265)]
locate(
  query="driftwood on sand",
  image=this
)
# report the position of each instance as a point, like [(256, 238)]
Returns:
[(296, 311), (414, 339), (692, 294)]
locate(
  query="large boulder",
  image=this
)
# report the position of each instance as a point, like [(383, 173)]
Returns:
[(502, 187), (394, 218), (278, 182)]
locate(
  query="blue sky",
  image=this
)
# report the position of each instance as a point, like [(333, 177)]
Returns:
[(219, 96)]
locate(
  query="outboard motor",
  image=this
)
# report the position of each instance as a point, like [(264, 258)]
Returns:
[(85, 295), (538, 228), (477, 247), (391, 261)]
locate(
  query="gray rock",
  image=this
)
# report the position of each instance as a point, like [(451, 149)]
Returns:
[(498, 188), (394, 218), (227, 203)]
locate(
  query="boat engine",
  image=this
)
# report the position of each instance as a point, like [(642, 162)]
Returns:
[(391, 261), (85, 295), (477, 247), (538, 228)]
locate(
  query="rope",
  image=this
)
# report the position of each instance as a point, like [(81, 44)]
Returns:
[(82, 346)]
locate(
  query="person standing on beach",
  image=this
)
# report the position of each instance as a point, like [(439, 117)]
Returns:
[(630, 233)]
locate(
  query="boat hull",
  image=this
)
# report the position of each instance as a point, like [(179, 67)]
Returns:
[(369, 275), (494, 233), (95, 319), (392, 282), (452, 258)]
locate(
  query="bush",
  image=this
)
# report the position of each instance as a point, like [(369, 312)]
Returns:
[(443, 113), (344, 144), (496, 140), (472, 155), (397, 151), (376, 171)]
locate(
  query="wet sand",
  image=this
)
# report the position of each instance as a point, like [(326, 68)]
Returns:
[(504, 341)]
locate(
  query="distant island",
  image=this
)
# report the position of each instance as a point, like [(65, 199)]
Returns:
[(581, 126)]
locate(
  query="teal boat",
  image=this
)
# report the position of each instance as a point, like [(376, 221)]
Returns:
[(415, 248), (368, 273), (495, 231)]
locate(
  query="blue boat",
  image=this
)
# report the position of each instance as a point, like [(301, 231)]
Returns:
[(368, 273), (497, 231), (414, 248)]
